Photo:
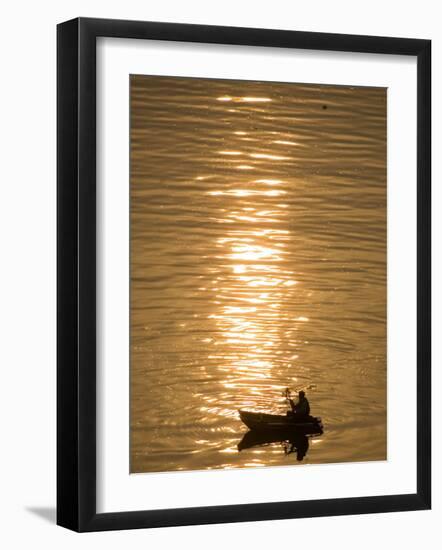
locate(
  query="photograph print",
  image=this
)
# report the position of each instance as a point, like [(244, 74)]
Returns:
[(258, 263)]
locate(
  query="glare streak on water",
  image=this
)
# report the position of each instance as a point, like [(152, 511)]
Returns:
[(258, 261)]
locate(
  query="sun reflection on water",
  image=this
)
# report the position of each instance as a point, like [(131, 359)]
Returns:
[(251, 289), (245, 99)]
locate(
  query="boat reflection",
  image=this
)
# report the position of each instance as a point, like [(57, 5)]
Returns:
[(290, 439)]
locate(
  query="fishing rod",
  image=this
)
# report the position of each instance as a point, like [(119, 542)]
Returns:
[(288, 392)]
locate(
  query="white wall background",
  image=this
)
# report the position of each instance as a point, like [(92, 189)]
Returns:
[(27, 275)]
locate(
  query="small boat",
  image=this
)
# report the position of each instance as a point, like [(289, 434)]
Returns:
[(264, 421)]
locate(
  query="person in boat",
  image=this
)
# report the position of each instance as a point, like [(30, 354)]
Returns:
[(302, 407)]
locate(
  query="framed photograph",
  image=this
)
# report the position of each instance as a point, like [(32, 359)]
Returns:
[(243, 274)]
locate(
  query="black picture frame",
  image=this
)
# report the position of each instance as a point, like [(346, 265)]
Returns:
[(76, 274)]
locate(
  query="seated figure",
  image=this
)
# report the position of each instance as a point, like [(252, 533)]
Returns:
[(302, 407)]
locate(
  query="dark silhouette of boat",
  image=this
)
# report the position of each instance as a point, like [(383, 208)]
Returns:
[(306, 424)]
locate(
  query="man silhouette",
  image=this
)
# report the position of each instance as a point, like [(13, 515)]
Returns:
[(302, 407)]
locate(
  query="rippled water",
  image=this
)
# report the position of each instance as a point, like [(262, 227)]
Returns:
[(258, 261)]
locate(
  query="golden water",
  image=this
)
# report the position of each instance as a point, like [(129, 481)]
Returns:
[(258, 261)]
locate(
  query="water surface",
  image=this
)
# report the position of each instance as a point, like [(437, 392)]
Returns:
[(258, 261)]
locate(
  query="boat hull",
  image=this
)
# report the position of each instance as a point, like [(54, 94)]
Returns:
[(264, 421)]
